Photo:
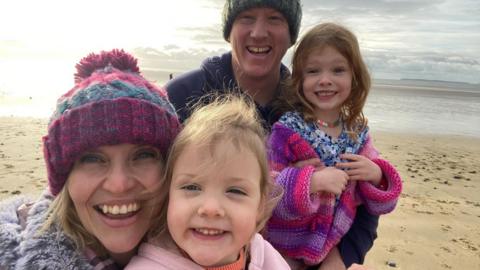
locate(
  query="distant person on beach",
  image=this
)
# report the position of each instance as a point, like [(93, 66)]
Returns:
[(219, 195), (260, 32), (323, 118), (105, 151)]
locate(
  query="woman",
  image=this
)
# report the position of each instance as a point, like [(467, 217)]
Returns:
[(105, 152)]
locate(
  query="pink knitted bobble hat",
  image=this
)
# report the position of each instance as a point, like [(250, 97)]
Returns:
[(111, 103)]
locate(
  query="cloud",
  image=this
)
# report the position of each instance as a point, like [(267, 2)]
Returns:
[(426, 39), (158, 64)]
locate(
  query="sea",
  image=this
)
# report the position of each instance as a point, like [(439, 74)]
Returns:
[(424, 107), (403, 106)]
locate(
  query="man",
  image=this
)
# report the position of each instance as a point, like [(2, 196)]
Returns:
[(260, 32)]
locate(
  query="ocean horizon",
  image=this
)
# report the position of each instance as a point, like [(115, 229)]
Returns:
[(404, 106)]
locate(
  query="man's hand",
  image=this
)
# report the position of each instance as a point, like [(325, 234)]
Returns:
[(333, 261), (358, 267), (360, 168)]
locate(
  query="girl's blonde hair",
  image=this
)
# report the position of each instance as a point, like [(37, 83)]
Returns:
[(345, 42), (227, 117)]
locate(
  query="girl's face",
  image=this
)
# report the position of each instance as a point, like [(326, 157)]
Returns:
[(327, 81), (105, 185), (214, 202)]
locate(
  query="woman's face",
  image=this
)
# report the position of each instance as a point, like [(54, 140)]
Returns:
[(105, 185)]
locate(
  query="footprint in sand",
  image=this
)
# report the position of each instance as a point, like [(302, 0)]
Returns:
[(4, 191), (469, 244), (424, 212), (444, 265), (15, 192), (445, 228), (8, 166), (392, 249), (446, 249), (476, 204)]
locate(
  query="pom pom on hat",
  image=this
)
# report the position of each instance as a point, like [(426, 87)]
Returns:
[(118, 59), (111, 103)]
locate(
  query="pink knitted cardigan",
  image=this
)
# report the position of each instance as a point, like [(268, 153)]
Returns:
[(307, 226)]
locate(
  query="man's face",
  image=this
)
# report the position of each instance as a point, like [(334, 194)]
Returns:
[(259, 38)]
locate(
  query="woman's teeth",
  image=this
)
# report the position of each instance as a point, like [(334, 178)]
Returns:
[(119, 209)]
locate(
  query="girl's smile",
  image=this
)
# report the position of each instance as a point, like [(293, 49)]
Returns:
[(327, 82)]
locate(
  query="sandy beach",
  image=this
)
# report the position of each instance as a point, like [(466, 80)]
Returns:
[(436, 224)]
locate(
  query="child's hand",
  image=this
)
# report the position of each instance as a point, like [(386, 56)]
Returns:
[(329, 179), (360, 168)]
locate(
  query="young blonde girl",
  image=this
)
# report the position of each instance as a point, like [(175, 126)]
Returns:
[(325, 99), (218, 195)]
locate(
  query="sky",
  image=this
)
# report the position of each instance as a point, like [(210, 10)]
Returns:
[(40, 41)]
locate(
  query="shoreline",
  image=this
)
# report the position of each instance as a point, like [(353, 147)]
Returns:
[(435, 223)]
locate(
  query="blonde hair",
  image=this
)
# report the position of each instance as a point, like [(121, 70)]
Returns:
[(345, 42), (227, 117), (62, 213)]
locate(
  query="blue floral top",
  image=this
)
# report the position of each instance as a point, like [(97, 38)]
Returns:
[(326, 147)]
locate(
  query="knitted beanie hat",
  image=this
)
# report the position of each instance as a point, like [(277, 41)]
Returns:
[(291, 9), (111, 103)]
